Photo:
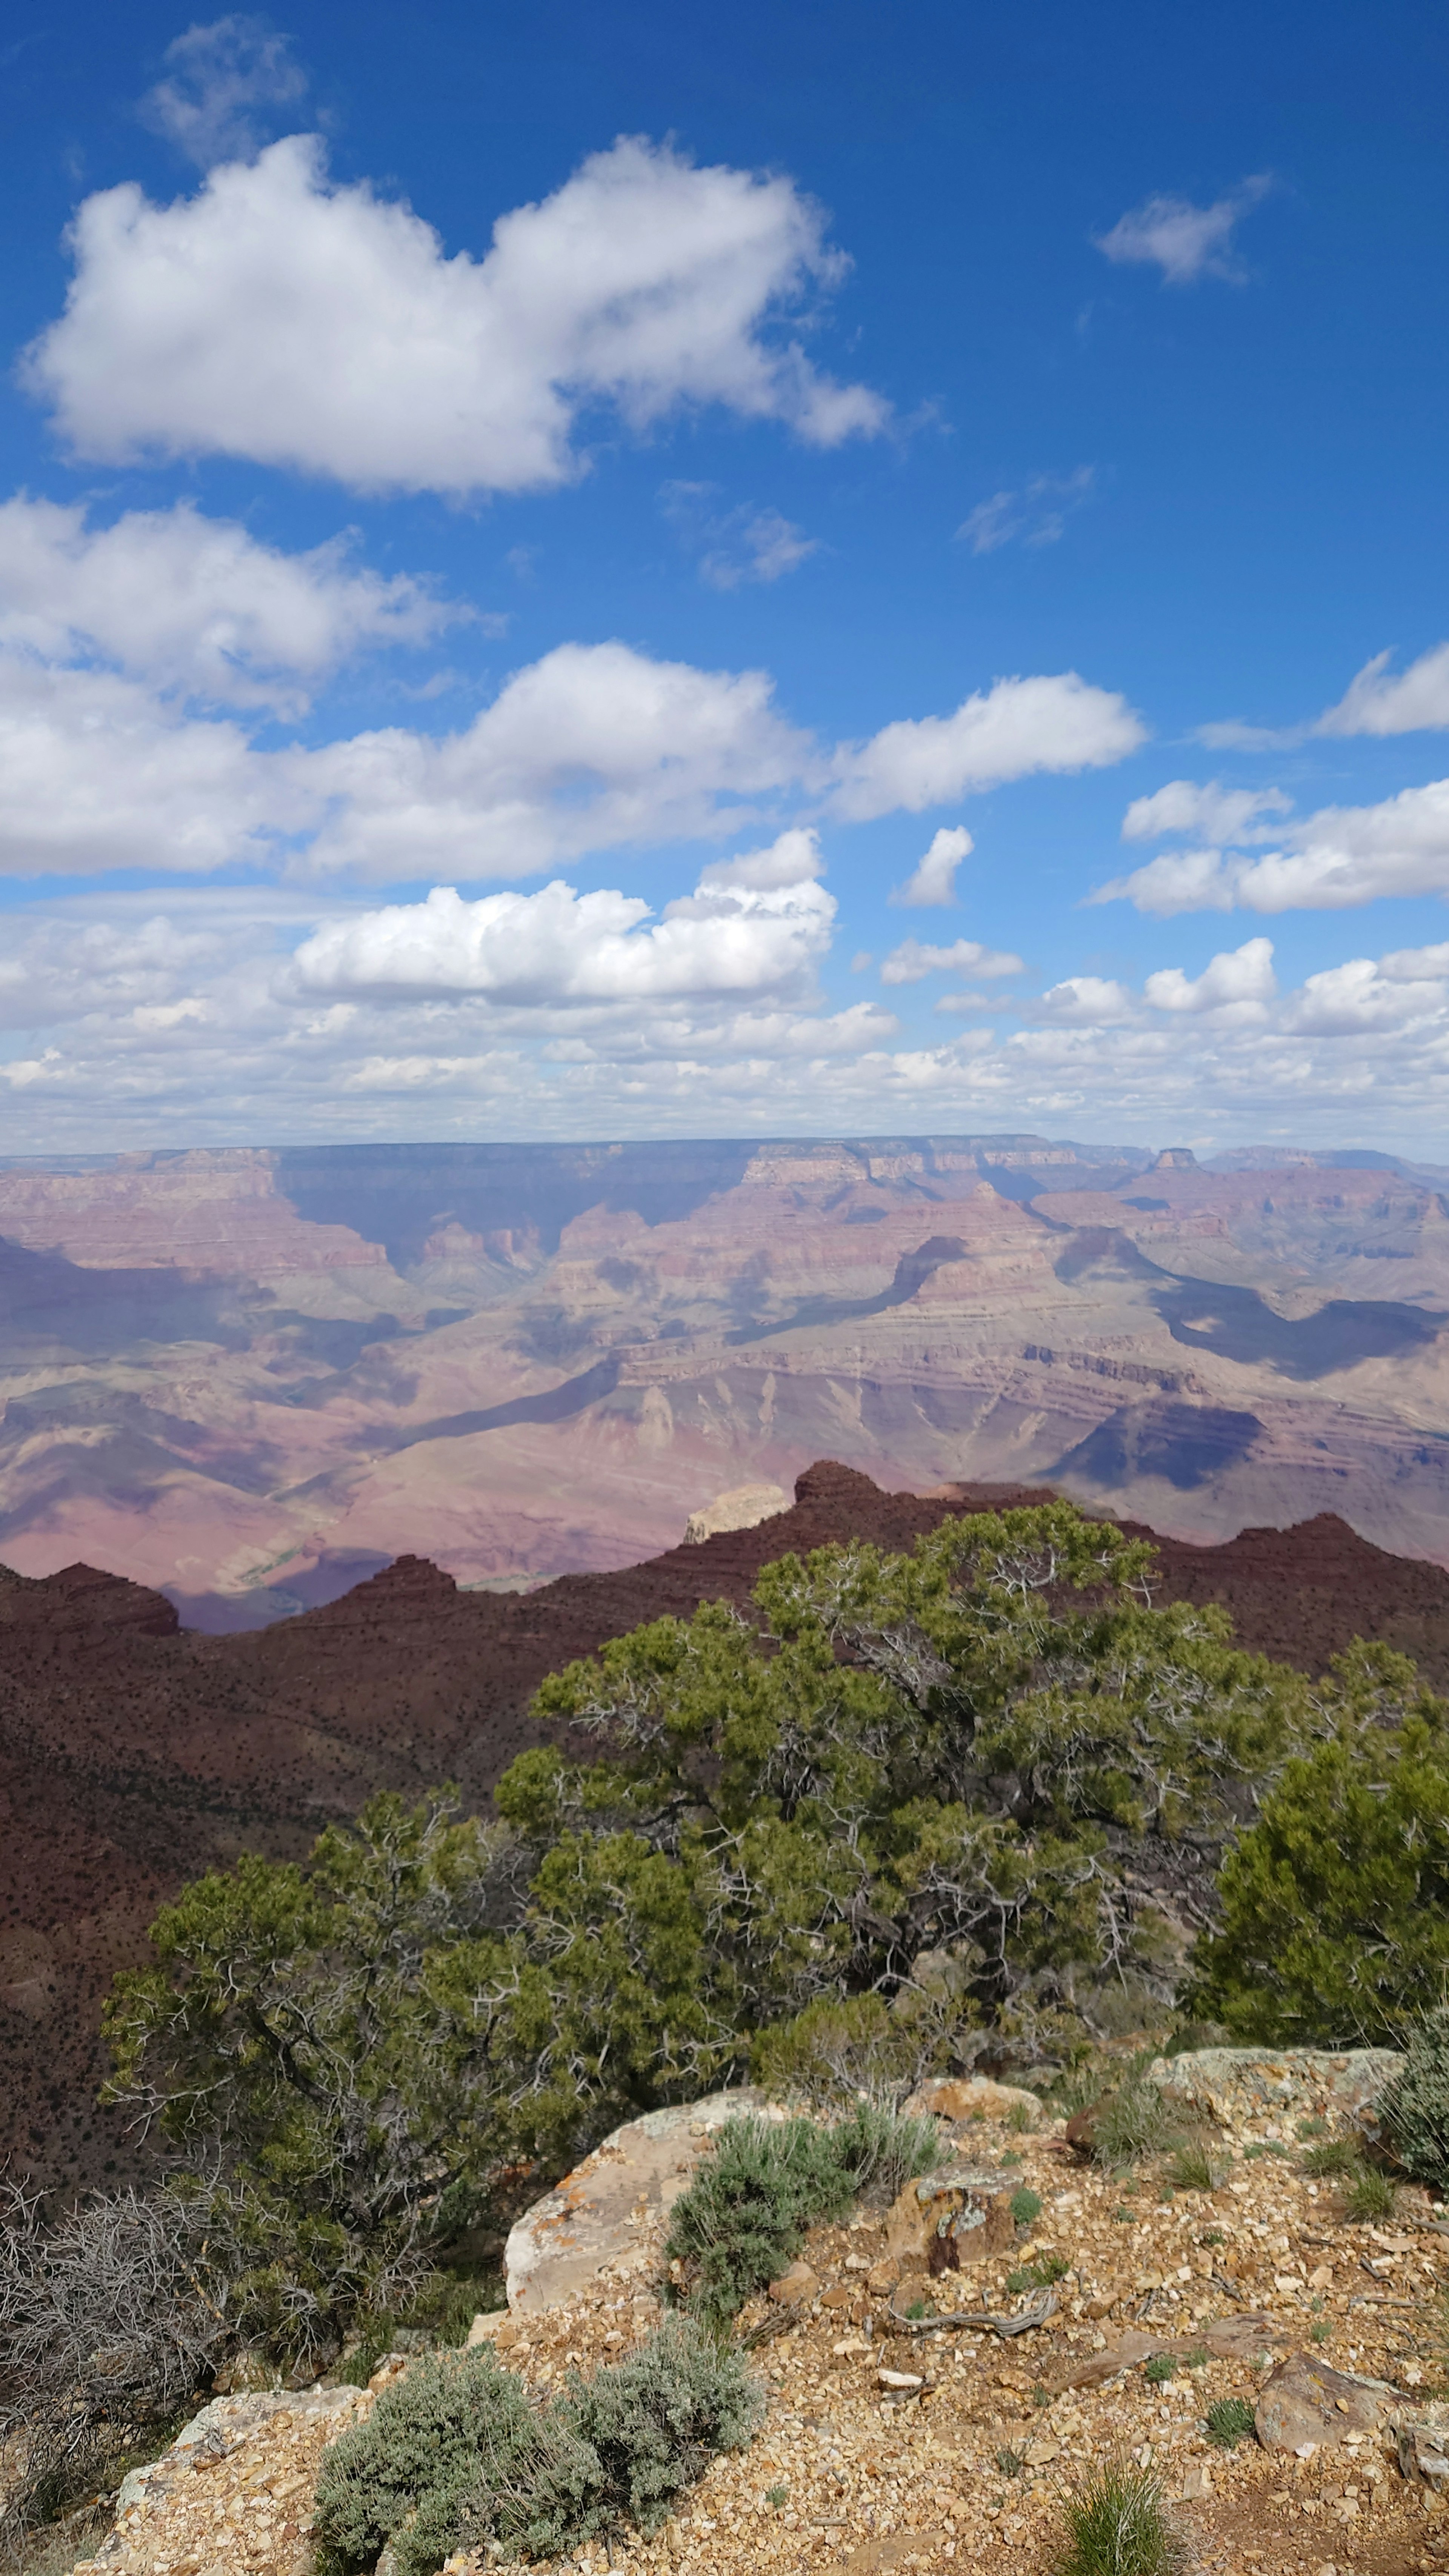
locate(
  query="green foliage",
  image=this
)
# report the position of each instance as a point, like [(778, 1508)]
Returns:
[(454, 2454), (1160, 2368), (1229, 2421), (880, 2151), (1333, 2156), (1010, 2463), (1118, 2526), (776, 2495), (744, 2216), (448, 2425), (1335, 1905), (1414, 2108), (1025, 2205), (1020, 2118), (1196, 2168), (849, 2048), (1038, 2275), (1133, 2122), (1370, 2195)]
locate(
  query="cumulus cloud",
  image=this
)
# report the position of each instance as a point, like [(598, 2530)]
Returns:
[(281, 317), (933, 881), (220, 81), (1084, 1001), (591, 747), (1240, 981), (1004, 732), (196, 604), (790, 860), (1380, 701), (1183, 240), (1215, 812), (1037, 514), (1341, 856), (96, 773), (560, 947), (908, 963)]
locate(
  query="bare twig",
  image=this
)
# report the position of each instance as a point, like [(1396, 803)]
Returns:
[(1037, 2315)]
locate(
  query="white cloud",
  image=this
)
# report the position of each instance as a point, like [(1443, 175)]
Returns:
[(558, 947), (96, 773), (1240, 981), (1342, 856), (1183, 240), (196, 604), (280, 317), (1008, 731), (1218, 813), (790, 860), (1380, 702), (734, 546), (1088, 1001), (1037, 514), (934, 880), (908, 963), (591, 747), (218, 78)]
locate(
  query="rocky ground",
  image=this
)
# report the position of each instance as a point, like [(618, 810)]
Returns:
[(889, 2442)]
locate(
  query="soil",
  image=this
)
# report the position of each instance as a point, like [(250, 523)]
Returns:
[(848, 2474)]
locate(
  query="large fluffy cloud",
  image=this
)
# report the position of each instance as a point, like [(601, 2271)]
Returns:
[(283, 318), (1007, 731), (196, 604), (559, 947), (1341, 856)]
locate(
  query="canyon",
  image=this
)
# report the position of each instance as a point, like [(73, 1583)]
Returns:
[(251, 1378)]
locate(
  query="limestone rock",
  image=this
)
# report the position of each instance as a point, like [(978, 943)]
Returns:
[(964, 2210), (497, 2328), (741, 1507), (962, 2097), (595, 2216), (1304, 2405), (1235, 2086)]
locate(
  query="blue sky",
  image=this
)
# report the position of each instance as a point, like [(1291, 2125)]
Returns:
[(696, 657)]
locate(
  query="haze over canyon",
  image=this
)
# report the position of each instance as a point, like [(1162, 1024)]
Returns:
[(250, 1378)]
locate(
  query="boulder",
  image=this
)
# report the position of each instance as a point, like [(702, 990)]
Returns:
[(949, 2219), (967, 2097), (742, 1507), (597, 2217), (1304, 2406), (1242, 2088)]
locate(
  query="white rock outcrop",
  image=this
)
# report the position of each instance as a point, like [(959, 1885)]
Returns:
[(740, 1508)]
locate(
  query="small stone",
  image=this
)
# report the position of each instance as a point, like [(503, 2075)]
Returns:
[(795, 2284), (883, 2276), (899, 2379)]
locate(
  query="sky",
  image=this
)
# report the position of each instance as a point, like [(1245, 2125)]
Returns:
[(797, 570)]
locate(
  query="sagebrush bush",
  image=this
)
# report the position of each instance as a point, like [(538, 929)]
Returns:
[(456, 2455), (1414, 2108), (1118, 2526), (744, 2215), (453, 2421), (623, 2446)]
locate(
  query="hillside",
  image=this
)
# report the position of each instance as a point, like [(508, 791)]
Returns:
[(133, 1754)]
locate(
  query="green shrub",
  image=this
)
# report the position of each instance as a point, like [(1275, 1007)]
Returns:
[(854, 2048), (1369, 2195), (880, 2151), (1160, 2368), (1118, 2526), (1020, 2118), (744, 2215), (1010, 2463), (1133, 2122), (1025, 2205), (454, 2454), (1038, 2275), (623, 2446), (1414, 2108), (1229, 2421), (1335, 1905), (430, 2441)]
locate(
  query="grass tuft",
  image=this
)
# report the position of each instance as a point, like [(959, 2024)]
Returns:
[(1335, 2156), (1369, 2195), (1230, 2420), (1118, 2526), (1025, 2206), (1195, 2168)]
